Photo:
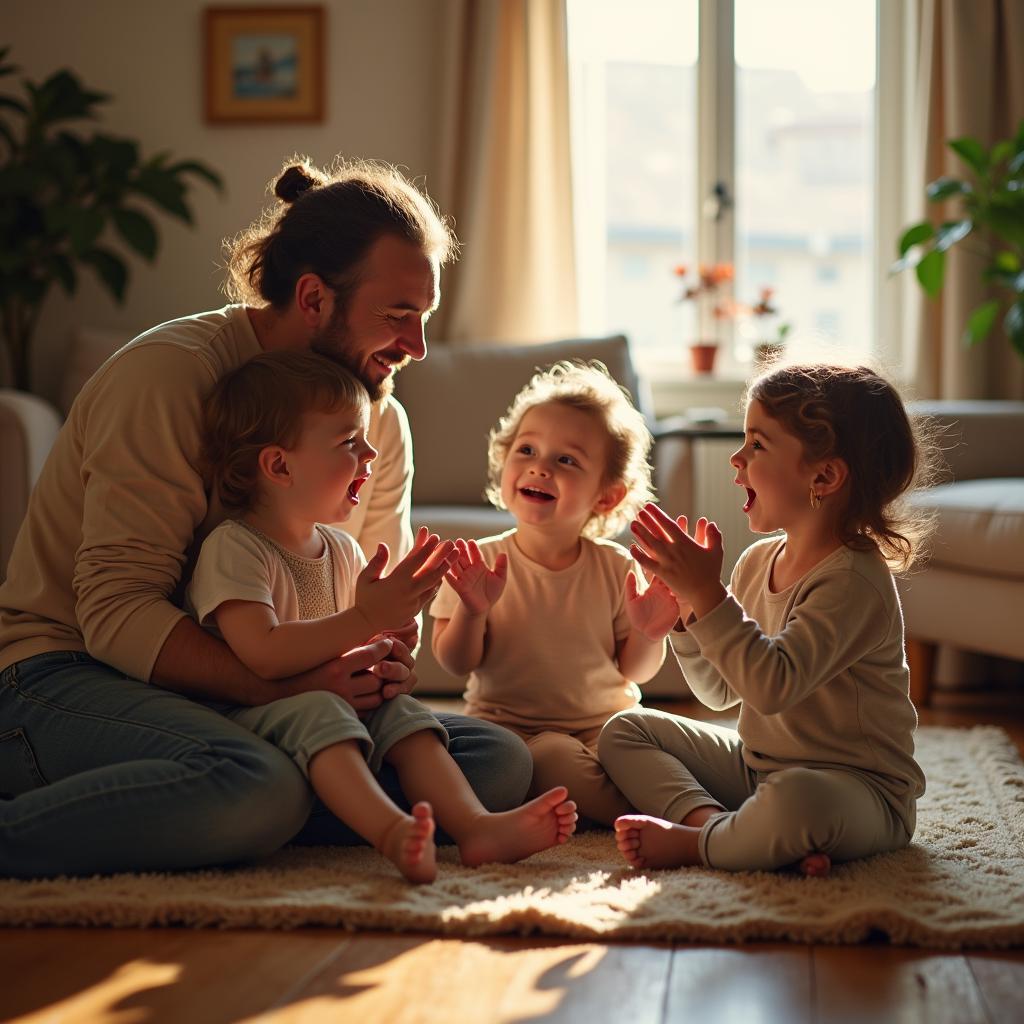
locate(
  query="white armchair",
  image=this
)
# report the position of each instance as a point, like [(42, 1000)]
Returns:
[(970, 594)]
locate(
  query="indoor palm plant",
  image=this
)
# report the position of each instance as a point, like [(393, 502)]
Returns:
[(991, 211), (63, 195)]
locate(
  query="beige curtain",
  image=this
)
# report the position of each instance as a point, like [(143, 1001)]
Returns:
[(970, 82), (505, 172)]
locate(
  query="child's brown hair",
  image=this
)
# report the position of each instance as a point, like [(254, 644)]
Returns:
[(856, 414), (589, 388), (261, 403)]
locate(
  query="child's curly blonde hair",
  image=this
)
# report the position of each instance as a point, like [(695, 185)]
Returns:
[(586, 386)]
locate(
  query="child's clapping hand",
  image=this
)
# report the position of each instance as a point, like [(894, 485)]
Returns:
[(477, 585), (691, 566), (388, 602), (654, 612)]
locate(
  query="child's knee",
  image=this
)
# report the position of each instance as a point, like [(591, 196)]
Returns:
[(623, 726), (802, 798)]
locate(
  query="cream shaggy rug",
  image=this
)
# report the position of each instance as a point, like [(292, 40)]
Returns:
[(960, 884)]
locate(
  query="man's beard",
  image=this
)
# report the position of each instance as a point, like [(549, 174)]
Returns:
[(333, 342)]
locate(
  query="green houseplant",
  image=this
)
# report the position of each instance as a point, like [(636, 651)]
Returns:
[(63, 195), (991, 206)]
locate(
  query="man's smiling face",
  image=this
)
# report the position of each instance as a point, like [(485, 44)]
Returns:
[(383, 326)]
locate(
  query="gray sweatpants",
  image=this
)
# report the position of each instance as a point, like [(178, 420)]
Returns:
[(668, 766), (304, 724)]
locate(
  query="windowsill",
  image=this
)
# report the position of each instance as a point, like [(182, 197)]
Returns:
[(675, 390)]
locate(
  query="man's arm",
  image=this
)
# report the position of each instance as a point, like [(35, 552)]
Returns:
[(197, 664)]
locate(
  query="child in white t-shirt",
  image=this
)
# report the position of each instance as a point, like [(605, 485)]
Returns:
[(548, 618), (285, 442)]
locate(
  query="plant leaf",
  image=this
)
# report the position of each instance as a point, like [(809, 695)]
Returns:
[(1006, 260), (165, 190), (84, 227), (931, 271), (64, 271), (914, 235), (951, 232), (110, 269), (972, 152), (943, 188), (138, 231), (199, 169), (980, 322), (1014, 324)]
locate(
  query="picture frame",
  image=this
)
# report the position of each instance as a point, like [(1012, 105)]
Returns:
[(264, 64)]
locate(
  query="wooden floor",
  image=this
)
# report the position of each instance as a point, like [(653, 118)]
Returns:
[(315, 975)]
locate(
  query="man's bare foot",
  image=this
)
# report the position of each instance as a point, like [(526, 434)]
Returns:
[(648, 842), (409, 844), (512, 835), (815, 865)]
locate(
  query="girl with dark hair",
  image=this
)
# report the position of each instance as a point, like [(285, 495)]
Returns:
[(807, 641)]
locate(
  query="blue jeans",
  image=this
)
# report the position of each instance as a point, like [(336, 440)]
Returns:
[(102, 773)]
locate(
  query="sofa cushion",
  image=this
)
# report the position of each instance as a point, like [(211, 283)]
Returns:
[(456, 395), (980, 525)]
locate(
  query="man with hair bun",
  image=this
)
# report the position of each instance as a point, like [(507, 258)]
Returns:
[(107, 763)]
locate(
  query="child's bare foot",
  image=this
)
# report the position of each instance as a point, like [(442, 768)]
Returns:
[(815, 865), (648, 842), (409, 844), (512, 835)]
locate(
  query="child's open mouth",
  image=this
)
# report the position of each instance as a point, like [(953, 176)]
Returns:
[(533, 494), (354, 487), (750, 499)]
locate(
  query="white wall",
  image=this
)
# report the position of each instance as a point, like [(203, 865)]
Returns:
[(381, 83)]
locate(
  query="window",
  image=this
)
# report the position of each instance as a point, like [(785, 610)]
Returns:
[(779, 109)]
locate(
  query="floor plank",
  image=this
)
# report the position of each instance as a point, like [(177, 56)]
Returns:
[(757, 982), (411, 979), (912, 986), (153, 975), (1000, 978)]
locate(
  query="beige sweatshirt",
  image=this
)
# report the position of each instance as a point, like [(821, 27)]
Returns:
[(120, 509), (818, 669)]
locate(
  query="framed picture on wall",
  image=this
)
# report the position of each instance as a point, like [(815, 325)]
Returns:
[(264, 64)]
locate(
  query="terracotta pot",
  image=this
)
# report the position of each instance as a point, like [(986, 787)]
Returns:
[(702, 357)]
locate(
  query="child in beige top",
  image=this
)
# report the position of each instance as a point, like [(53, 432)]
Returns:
[(807, 640), (548, 618), (285, 442)]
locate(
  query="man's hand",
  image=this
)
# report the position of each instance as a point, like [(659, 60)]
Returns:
[(352, 676), (397, 672), (478, 586), (408, 633), (390, 601)]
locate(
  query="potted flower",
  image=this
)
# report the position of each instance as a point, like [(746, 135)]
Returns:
[(768, 349), (706, 291)]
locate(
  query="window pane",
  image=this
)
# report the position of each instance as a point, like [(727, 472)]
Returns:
[(633, 74), (804, 171)]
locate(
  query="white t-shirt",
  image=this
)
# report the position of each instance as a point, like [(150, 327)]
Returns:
[(549, 654)]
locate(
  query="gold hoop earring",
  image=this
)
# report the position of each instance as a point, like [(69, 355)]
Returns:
[(815, 499)]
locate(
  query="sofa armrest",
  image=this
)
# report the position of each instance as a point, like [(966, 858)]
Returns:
[(28, 428), (979, 439)]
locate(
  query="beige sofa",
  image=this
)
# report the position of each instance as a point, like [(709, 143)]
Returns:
[(970, 594), (453, 399)]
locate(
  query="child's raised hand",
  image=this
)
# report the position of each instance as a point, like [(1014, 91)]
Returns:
[(690, 566), (654, 612), (388, 602), (477, 585)]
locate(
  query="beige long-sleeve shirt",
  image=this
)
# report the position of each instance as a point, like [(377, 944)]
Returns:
[(120, 509), (818, 669)]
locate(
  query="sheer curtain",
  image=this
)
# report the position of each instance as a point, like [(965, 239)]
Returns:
[(505, 175), (970, 82)]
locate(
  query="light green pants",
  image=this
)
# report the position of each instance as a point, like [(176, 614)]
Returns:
[(668, 766), (303, 725)]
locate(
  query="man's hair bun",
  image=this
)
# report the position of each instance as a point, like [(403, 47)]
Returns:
[(294, 181)]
